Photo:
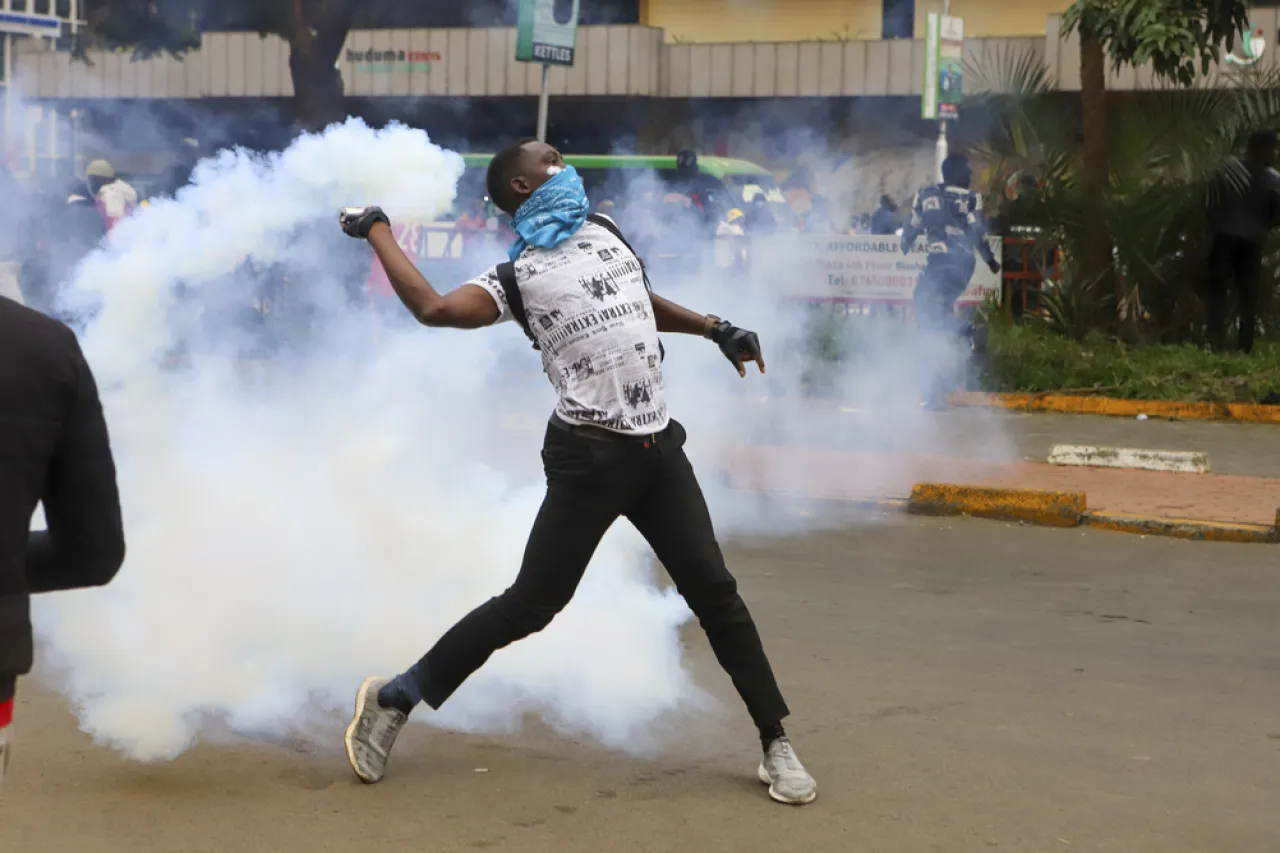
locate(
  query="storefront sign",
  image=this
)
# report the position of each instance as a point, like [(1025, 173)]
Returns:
[(547, 31), (386, 61)]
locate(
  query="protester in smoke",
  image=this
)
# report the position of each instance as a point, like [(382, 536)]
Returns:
[(56, 452), (80, 229), (731, 250), (475, 217), (611, 449), (1243, 219), (702, 189), (67, 228), (885, 220), (760, 218), (116, 199), (472, 224), (949, 216)]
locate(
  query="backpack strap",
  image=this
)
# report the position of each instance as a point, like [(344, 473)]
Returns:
[(612, 227), (515, 301)]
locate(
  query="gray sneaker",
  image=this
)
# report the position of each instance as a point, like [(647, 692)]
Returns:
[(372, 732), (786, 777)]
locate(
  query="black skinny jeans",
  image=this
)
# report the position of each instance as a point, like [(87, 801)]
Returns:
[(591, 481)]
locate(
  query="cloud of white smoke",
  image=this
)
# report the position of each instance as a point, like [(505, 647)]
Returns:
[(291, 534), (293, 531)]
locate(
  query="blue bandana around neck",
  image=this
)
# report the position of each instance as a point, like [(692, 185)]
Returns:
[(551, 214)]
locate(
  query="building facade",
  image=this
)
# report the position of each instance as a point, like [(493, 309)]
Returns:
[(702, 49)]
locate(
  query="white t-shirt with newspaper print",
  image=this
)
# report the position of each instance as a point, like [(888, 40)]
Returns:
[(590, 313)]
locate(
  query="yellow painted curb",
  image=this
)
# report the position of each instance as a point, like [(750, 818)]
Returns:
[(1068, 404), (1055, 509), (1210, 531)]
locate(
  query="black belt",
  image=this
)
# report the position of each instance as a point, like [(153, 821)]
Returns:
[(597, 433)]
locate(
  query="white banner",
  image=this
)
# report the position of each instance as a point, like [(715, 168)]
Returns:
[(857, 269)]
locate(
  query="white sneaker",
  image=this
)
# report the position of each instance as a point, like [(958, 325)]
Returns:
[(786, 777), (372, 732)]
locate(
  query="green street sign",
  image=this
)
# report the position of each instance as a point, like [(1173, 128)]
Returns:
[(547, 31), (943, 67)]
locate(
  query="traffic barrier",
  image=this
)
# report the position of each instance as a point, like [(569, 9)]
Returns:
[(1175, 461)]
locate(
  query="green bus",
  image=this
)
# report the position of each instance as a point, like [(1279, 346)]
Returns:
[(606, 176)]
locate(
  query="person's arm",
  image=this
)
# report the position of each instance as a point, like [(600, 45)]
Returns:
[(83, 545), (978, 231), (738, 345), (468, 307), (679, 320), (911, 229)]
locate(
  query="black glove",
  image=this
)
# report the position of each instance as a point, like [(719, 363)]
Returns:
[(994, 266), (357, 221), (738, 345)]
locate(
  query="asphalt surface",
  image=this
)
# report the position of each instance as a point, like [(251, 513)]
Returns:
[(1234, 448), (1244, 449), (958, 685)]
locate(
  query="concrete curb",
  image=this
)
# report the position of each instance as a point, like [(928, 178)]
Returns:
[(1110, 406), (1090, 456), (1208, 531), (1069, 509), (1053, 509)]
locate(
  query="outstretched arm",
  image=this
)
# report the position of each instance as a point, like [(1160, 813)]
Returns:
[(680, 320), (738, 345), (468, 307), (978, 231)]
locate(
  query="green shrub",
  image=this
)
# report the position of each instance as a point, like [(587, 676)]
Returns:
[(1028, 357)]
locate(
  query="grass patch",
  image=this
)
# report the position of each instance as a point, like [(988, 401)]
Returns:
[(1028, 358)]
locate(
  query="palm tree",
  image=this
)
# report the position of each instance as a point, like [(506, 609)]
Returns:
[(1170, 155)]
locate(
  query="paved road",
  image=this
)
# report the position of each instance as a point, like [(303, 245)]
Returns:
[(960, 685), (1234, 448)]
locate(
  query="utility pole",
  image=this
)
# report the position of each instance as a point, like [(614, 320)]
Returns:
[(544, 102), (942, 147)]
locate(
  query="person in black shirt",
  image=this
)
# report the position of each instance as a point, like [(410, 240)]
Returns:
[(1242, 222), (55, 451)]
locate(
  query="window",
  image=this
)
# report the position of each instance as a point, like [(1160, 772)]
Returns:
[(898, 20)]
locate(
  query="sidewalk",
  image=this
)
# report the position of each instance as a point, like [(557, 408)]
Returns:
[(809, 473)]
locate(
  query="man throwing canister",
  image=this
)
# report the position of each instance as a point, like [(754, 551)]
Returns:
[(611, 449)]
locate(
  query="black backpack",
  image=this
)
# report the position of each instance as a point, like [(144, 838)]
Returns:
[(515, 302)]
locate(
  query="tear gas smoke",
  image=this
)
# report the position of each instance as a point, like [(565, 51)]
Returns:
[(294, 531), (290, 537)]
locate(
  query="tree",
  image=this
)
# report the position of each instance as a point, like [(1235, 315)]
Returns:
[(1181, 39), (1170, 155), (314, 29)]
